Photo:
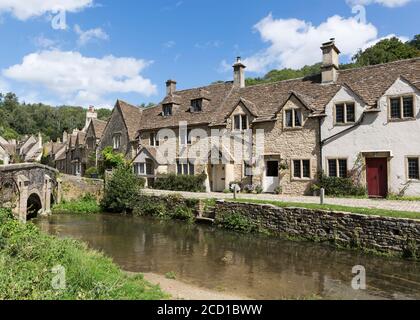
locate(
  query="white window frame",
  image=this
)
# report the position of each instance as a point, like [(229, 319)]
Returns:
[(116, 141), (185, 171), (186, 139), (153, 140), (294, 126)]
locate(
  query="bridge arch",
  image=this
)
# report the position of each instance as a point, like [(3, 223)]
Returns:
[(33, 206)]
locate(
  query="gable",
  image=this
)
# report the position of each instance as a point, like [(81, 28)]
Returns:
[(401, 86)]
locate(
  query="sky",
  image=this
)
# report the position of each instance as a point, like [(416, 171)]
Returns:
[(93, 52)]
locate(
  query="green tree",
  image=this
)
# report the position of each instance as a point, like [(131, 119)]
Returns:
[(415, 43), (387, 50), (121, 190), (112, 159)]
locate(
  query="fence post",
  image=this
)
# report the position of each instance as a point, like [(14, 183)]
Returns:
[(322, 196)]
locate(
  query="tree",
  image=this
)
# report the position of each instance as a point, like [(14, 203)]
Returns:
[(387, 50), (121, 190), (112, 159), (415, 43)]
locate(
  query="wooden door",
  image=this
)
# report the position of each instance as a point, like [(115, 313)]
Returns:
[(377, 177)]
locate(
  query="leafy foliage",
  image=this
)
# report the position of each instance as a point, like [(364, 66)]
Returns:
[(186, 183), (121, 190), (112, 159), (236, 222), (18, 118), (86, 205), (27, 257), (339, 187)]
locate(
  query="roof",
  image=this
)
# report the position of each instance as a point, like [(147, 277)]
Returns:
[(264, 101), (98, 127), (131, 116)]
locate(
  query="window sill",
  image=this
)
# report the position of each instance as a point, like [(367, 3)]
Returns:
[(292, 129), (301, 179), (401, 120), (344, 124)]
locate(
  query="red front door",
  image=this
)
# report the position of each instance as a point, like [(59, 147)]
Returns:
[(377, 177)]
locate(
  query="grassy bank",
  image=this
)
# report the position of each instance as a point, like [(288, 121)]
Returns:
[(27, 257), (331, 207), (85, 205)]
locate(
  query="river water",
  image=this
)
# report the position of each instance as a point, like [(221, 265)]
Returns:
[(252, 266)]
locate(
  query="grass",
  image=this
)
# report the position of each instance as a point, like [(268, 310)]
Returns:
[(86, 205), (330, 207), (170, 275), (28, 256), (402, 198)]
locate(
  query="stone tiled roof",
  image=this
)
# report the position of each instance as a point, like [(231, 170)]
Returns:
[(265, 100), (132, 116), (99, 127)]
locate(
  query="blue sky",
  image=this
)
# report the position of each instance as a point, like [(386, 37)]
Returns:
[(127, 49)]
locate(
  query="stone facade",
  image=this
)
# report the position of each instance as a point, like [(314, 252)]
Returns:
[(342, 229)]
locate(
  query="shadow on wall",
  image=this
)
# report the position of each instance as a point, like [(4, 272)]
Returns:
[(34, 205)]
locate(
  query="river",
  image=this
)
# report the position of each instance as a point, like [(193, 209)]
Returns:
[(253, 266)]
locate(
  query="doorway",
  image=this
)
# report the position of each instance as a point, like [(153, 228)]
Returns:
[(377, 177), (218, 177), (271, 177)]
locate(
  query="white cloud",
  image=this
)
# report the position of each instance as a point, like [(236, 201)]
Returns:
[(169, 44), (4, 86), (208, 44), (45, 43), (386, 3), (90, 35), (25, 9), (73, 78), (294, 43)]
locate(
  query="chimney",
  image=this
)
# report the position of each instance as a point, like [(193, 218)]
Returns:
[(330, 62), (170, 87), (90, 115), (39, 140), (239, 73), (65, 137)]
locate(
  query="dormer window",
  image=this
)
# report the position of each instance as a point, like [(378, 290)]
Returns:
[(401, 108), (167, 110), (240, 122), (197, 105), (293, 118), (345, 113)]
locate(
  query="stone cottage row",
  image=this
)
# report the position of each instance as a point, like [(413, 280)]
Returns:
[(362, 123)]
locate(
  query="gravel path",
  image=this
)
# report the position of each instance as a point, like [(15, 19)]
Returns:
[(413, 206)]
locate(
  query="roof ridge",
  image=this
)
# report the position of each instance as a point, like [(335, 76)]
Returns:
[(379, 65)]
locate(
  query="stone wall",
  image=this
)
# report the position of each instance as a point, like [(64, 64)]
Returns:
[(382, 234), (74, 188)]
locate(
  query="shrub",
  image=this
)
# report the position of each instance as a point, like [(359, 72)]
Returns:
[(259, 189), (237, 222), (112, 159), (278, 190), (185, 183), (88, 204), (147, 206), (121, 190), (249, 188), (92, 172), (339, 187)]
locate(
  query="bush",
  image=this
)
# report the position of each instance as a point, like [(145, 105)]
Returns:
[(169, 207), (92, 172), (237, 222), (339, 187), (185, 183), (86, 205), (121, 190), (27, 257), (112, 159)]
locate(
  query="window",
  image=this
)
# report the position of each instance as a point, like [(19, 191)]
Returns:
[(401, 108), (247, 169), (293, 118), (413, 169), (345, 113), (116, 139), (139, 169), (337, 168), (154, 142), (185, 168), (302, 169), (197, 105), (240, 122), (167, 110), (185, 137)]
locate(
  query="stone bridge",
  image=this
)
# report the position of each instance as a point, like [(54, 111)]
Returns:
[(29, 189)]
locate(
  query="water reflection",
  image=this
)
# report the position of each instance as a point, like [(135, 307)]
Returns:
[(248, 265)]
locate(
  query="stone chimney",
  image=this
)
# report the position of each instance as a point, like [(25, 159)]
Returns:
[(330, 62), (239, 73), (39, 140), (170, 87), (65, 137), (90, 115)]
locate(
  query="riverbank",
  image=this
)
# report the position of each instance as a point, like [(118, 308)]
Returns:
[(36, 266), (183, 291)]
